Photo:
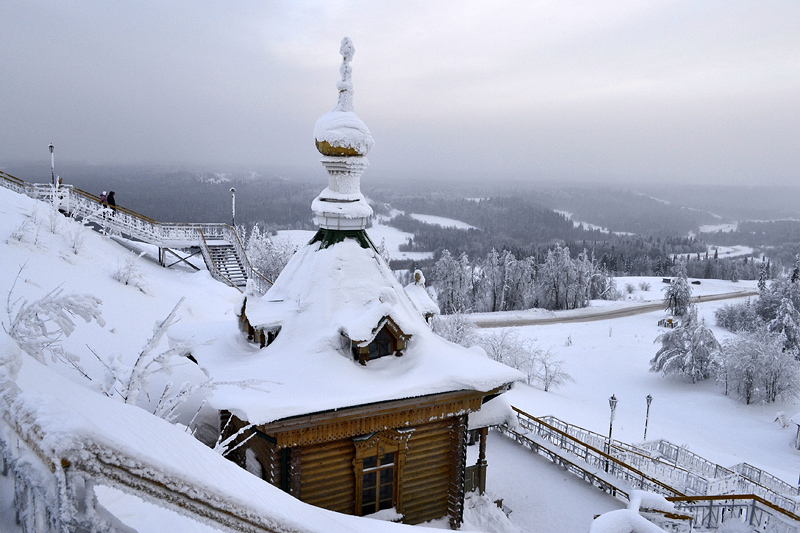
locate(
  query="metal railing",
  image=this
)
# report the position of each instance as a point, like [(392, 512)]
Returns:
[(595, 457), (712, 511), (678, 484), (86, 206)]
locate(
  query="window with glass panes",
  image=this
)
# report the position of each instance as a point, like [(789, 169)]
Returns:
[(382, 345), (377, 483)]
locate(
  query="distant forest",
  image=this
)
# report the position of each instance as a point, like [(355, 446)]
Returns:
[(651, 228)]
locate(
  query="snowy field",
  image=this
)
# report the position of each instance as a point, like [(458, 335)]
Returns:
[(605, 357), (612, 357), (441, 221)]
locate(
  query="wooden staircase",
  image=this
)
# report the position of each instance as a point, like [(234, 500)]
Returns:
[(226, 261)]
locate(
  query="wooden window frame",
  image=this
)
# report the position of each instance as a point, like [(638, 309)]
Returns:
[(377, 445)]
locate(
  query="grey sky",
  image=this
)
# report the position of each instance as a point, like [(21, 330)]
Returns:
[(701, 91)]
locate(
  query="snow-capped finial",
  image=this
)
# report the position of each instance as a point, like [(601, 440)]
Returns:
[(345, 86)]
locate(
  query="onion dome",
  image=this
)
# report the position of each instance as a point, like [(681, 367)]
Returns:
[(340, 132)]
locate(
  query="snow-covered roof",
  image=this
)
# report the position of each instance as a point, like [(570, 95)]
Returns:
[(78, 424), (495, 412), (795, 419), (421, 299), (323, 294)]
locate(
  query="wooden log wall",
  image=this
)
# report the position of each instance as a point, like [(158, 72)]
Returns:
[(328, 478), (427, 473)]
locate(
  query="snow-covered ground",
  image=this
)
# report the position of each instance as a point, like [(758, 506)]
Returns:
[(604, 357), (612, 357), (577, 223), (731, 251), (441, 221)]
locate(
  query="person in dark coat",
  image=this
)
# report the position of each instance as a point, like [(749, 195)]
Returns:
[(111, 202)]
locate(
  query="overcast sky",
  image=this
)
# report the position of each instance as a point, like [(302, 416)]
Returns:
[(700, 91)]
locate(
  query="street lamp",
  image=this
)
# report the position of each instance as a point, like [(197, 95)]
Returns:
[(647, 417), (233, 207), (612, 403), (52, 164)]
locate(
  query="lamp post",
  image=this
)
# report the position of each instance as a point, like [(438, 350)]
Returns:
[(52, 164), (233, 207), (612, 403), (647, 416)]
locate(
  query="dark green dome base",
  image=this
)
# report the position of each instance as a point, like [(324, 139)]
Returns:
[(329, 237)]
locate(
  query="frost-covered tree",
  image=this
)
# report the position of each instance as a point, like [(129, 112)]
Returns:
[(756, 368), (549, 371), (689, 349), (678, 294), (787, 325), (737, 317), (456, 328), (454, 283), (507, 347), (267, 256), (762, 278)]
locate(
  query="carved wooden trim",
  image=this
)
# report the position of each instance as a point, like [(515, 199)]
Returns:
[(367, 419), (388, 441)]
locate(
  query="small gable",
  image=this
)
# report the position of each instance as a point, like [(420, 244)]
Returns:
[(388, 339)]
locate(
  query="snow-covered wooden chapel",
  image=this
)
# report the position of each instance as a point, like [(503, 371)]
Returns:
[(356, 405)]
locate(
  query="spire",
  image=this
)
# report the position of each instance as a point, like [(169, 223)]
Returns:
[(345, 86), (344, 141)]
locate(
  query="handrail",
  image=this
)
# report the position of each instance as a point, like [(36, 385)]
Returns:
[(59, 486), (617, 466), (163, 234), (774, 500), (713, 478), (210, 261), (718, 497), (252, 273), (587, 474)]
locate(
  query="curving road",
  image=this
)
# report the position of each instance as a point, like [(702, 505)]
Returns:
[(603, 314)]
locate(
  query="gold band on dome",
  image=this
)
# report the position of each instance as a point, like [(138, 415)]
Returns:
[(325, 148)]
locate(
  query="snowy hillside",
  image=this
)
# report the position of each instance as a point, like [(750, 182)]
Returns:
[(603, 356)]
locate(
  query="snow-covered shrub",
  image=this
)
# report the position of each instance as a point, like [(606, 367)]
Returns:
[(76, 235), (737, 317), (689, 349), (38, 326), (456, 328), (506, 347), (24, 231), (630, 288), (756, 368), (131, 273), (540, 366), (645, 286), (549, 371)]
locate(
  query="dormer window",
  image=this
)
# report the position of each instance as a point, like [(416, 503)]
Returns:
[(382, 345), (388, 341)]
